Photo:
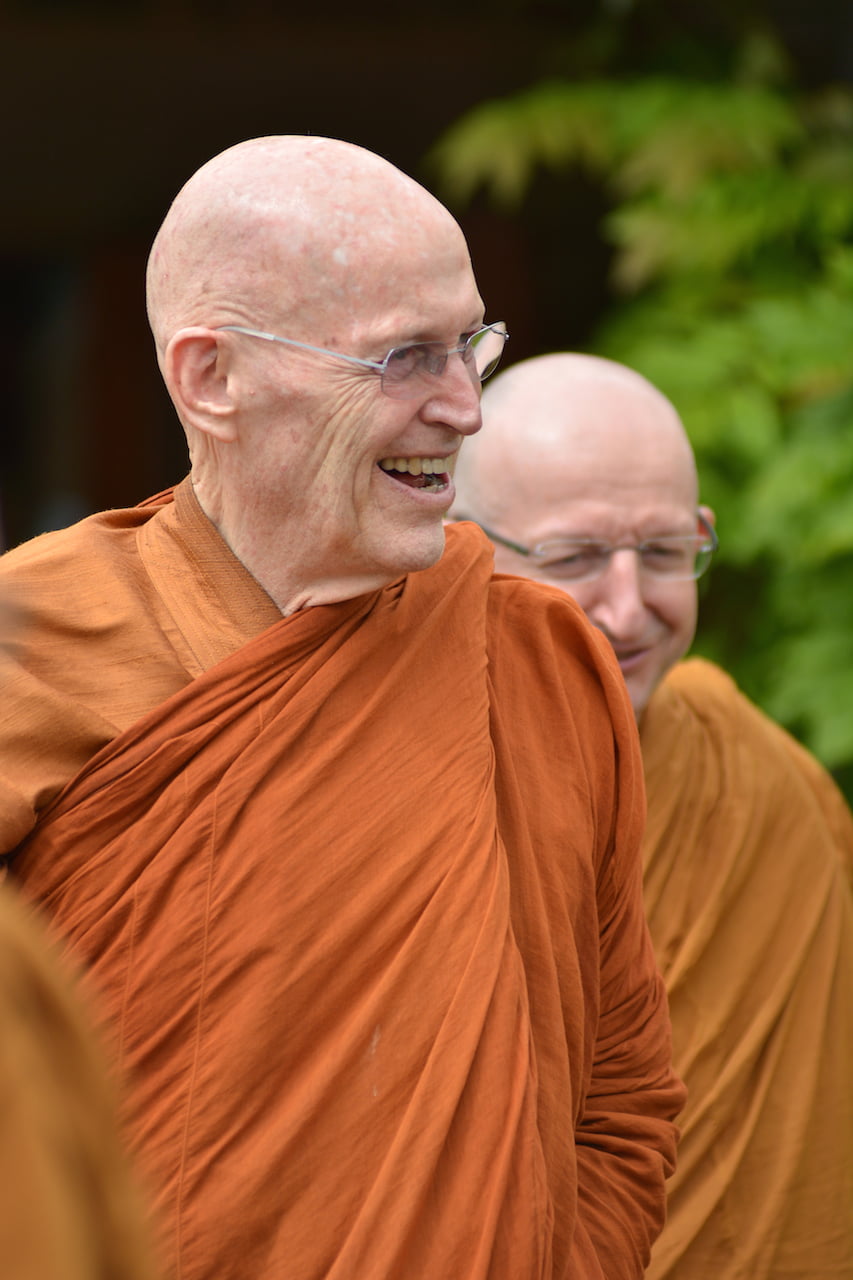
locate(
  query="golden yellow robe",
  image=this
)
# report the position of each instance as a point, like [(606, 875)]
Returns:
[(68, 1210), (748, 855), (360, 889)]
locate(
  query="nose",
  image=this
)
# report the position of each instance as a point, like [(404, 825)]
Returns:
[(454, 398), (616, 601)]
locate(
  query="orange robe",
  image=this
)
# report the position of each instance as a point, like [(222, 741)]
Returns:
[(380, 981), (748, 856), (67, 1210)]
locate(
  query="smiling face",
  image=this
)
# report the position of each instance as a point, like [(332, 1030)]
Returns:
[(353, 482), (574, 447), (323, 485)]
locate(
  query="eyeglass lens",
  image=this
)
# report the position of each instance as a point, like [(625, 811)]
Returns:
[(406, 366), (675, 557)]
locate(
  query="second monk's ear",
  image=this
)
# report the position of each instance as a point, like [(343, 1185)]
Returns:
[(195, 369)]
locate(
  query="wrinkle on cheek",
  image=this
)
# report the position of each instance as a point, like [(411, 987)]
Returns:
[(342, 459), (346, 430)]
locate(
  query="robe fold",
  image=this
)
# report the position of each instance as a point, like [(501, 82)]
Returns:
[(360, 893), (748, 855)]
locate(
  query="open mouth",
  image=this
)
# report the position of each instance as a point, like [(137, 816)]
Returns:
[(417, 473)]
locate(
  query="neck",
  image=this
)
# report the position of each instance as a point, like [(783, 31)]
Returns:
[(287, 576)]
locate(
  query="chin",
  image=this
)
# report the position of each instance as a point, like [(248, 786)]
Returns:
[(638, 706), (640, 693), (419, 550)]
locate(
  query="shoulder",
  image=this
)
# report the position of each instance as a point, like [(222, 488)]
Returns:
[(77, 579), (698, 696), (549, 622), (700, 715), (558, 689), (706, 688), (700, 692), (534, 631), (73, 624), (711, 697)]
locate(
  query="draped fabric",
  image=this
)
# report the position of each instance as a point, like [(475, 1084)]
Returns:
[(748, 855), (361, 899), (68, 1209)]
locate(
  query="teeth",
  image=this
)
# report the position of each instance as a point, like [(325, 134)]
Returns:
[(415, 466)]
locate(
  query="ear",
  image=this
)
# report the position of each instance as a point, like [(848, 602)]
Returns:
[(196, 367), (709, 515)]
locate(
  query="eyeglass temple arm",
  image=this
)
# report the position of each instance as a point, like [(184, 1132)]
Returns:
[(303, 346), (525, 551), (339, 355), (496, 537)]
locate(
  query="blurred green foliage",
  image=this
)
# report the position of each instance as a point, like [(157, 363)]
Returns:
[(730, 219)]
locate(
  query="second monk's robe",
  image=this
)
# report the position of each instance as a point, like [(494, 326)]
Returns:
[(380, 982), (748, 856)]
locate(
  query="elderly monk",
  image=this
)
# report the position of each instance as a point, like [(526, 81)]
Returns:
[(585, 480), (347, 832)]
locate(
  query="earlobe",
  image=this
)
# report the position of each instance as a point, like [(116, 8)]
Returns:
[(195, 368), (709, 514)]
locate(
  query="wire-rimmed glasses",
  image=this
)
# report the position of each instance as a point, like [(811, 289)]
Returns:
[(405, 369), (676, 557)]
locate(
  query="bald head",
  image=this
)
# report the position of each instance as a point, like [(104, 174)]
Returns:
[(577, 447), (284, 228), (562, 424)]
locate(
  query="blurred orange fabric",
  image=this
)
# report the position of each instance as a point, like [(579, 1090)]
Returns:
[(69, 1210)]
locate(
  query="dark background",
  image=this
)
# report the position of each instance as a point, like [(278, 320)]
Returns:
[(107, 109)]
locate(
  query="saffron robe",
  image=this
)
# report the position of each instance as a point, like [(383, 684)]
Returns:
[(68, 1209), (380, 980), (748, 855)]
